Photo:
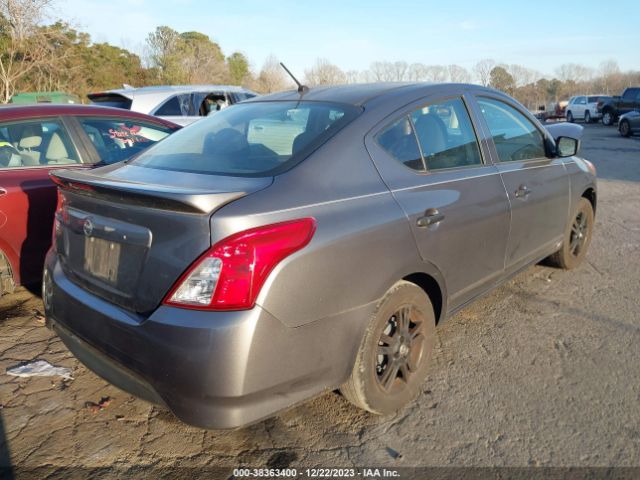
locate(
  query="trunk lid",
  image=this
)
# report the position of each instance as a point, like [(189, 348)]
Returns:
[(126, 233)]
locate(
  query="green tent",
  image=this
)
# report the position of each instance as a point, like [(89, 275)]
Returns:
[(43, 97)]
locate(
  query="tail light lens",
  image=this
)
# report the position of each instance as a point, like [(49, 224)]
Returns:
[(230, 275)]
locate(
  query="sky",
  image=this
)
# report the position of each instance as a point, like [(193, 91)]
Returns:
[(539, 34)]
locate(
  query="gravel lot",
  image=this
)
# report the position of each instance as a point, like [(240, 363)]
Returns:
[(542, 372)]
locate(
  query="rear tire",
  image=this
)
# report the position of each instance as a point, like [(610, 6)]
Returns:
[(587, 117), (392, 362), (569, 117), (577, 238), (625, 128), (607, 118)]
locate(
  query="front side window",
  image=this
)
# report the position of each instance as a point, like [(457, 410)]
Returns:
[(250, 139), (514, 136), (119, 139), (35, 143)]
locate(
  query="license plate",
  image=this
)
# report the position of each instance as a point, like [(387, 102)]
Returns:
[(102, 258)]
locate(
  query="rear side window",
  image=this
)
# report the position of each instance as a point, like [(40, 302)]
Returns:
[(250, 139), (514, 136), (434, 137), (111, 100), (36, 143), (446, 136), (399, 141), (119, 139), (176, 106)]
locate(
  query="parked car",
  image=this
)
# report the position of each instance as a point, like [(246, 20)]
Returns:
[(584, 107), (629, 123), (612, 108), (36, 140), (302, 242), (180, 104), (29, 98)]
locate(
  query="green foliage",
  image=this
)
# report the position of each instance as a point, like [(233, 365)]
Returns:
[(238, 68), (502, 80)]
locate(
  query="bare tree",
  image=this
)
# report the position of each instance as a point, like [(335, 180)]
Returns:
[(458, 74), (436, 73), (24, 46), (482, 70), (324, 73), (272, 77), (417, 72)]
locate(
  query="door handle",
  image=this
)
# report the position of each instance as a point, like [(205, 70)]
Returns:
[(522, 191), (431, 217)]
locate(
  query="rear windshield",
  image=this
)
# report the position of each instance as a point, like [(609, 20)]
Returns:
[(253, 139), (111, 100)]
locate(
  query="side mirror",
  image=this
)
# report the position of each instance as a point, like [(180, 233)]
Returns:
[(566, 146)]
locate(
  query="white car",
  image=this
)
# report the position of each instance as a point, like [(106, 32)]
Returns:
[(584, 107), (179, 104)]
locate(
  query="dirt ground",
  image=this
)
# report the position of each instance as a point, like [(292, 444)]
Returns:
[(542, 372)]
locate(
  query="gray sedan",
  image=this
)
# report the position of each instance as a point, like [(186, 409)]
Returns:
[(629, 123), (306, 241)]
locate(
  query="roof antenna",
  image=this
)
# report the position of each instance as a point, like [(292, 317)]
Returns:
[(302, 89)]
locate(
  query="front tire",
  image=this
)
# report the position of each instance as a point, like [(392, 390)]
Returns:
[(625, 128), (569, 117), (577, 238), (607, 118), (587, 117), (392, 362)]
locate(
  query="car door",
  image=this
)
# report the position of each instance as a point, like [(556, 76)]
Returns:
[(431, 160), (538, 186), (31, 149)]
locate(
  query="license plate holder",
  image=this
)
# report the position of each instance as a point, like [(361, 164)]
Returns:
[(102, 259)]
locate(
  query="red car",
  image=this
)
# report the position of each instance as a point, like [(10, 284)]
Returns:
[(35, 140)]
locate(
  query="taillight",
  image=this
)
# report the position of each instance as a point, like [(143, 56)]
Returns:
[(231, 273)]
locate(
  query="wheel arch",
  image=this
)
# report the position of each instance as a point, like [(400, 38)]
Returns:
[(591, 195), (433, 289)]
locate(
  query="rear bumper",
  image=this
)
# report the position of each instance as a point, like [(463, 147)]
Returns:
[(211, 369)]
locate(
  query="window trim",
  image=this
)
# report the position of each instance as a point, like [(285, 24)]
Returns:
[(413, 108), (544, 136)]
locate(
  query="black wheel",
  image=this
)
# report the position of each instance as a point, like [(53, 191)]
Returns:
[(391, 364), (569, 117), (577, 238), (587, 117), (607, 118), (625, 128)]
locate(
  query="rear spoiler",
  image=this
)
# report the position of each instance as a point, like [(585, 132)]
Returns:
[(165, 197)]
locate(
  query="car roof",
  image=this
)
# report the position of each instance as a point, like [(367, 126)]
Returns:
[(361, 93), (171, 89), (22, 112)]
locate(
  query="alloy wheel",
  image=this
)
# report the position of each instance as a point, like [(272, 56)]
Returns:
[(400, 349), (579, 234)]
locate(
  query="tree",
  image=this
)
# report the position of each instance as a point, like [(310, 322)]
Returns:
[(238, 66), (482, 70), (324, 73), (24, 47), (200, 59), (502, 80), (164, 54), (458, 74), (272, 77)]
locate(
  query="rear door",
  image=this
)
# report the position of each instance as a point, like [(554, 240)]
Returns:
[(538, 187), (29, 150), (579, 107), (431, 160)]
